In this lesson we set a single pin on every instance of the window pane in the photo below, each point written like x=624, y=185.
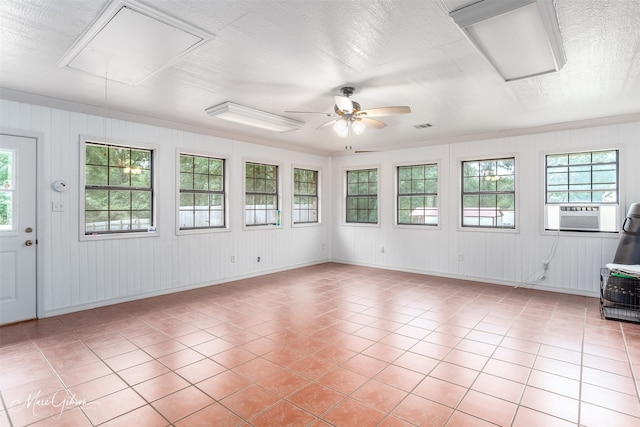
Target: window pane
x=305, y=207
x=119, y=157
x=471, y=185
x=96, y=155
x=200, y=182
x=187, y=201
x=262, y=194
x=96, y=200
x=204, y=175
x=186, y=181
x=120, y=200
x=488, y=184
x=588, y=171
x=485, y=197
x=417, y=209
x=97, y=175
x=579, y=158
x=118, y=178
x=605, y=156
x=365, y=207
x=201, y=165
x=404, y=173
x=141, y=179
x=96, y=221
x=506, y=183
x=186, y=163
x=110, y=204
x=557, y=159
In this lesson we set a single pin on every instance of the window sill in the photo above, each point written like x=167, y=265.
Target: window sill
x=116, y=236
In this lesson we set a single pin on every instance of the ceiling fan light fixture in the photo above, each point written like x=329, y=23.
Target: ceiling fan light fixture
x=341, y=127
x=357, y=126
x=251, y=117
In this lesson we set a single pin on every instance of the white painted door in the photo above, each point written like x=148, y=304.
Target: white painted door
x=17, y=228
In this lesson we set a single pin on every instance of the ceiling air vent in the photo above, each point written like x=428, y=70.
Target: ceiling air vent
x=423, y=126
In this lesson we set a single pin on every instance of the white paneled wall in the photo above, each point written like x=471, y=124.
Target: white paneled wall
x=74, y=274
x=489, y=255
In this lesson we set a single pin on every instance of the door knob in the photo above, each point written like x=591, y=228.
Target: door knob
x=29, y=242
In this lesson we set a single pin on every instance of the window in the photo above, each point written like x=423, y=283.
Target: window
x=7, y=187
x=261, y=194
x=417, y=195
x=589, y=177
x=305, y=196
x=581, y=191
x=118, y=196
x=202, y=196
x=488, y=193
x=362, y=196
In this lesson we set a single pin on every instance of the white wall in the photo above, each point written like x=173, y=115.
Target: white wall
x=74, y=274
x=490, y=255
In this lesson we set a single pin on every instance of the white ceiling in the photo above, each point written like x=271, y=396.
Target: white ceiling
x=297, y=54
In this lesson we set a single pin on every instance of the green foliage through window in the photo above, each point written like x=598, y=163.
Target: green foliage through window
x=261, y=197
x=118, y=189
x=585, y=177
x=488, y=193
x=417, y=202
x=305, y=196
x=202, y=193
x=362, y=196
x=6, y=189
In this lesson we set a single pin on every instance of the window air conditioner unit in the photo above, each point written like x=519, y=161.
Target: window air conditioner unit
x=580, y=218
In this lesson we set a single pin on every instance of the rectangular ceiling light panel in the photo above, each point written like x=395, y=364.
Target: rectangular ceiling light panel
x=251, y=117
x=129, y=42
x=520, y=38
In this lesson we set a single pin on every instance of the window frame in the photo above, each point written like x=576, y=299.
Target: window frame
x=516, y=210
x=278, y=195
x=318, y=172
x=417, y=226
x=346, y=196
x=153, y=230
x=615, y=206
x=225, y=192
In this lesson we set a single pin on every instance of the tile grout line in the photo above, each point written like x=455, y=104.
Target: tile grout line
x=633, y=373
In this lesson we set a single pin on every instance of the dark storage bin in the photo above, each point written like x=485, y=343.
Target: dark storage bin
x=628, y=251
x=619, y=297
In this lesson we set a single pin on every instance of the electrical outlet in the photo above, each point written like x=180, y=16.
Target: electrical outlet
x=57, y=207
x=233, y=258
x=258, y=259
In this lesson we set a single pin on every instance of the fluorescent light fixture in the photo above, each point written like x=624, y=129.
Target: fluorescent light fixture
x=252, y=117
x=130, y=41
x=520, y=38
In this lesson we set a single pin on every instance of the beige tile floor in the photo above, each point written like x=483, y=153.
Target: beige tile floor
x=327, y=345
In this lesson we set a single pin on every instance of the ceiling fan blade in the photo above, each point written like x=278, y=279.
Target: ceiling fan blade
x=371, y=123
x=344, y=104
x=311, y=112
x=385, y=111
x=329, y=123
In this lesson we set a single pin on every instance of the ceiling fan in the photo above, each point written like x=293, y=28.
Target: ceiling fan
x=351, y=116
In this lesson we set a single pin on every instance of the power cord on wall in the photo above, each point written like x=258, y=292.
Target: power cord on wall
x=541, y=273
